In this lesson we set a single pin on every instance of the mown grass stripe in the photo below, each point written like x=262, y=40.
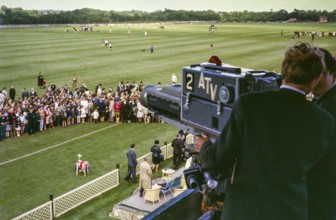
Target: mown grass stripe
x=56, y=145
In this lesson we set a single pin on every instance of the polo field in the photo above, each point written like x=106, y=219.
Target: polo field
x=34, y=166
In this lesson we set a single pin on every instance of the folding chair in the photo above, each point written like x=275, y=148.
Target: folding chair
x=170, y=186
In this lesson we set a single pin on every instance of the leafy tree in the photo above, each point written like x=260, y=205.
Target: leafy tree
x=87, y=15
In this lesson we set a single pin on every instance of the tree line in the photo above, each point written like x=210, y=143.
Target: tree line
x=12, y=16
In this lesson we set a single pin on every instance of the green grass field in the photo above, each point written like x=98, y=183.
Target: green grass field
x=27, y=182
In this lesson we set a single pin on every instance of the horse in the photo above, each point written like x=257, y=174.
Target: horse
x=82, y=166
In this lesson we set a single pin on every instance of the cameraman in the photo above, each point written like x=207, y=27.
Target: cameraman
x=325, y=97
x=272, y=141
x=325, y=91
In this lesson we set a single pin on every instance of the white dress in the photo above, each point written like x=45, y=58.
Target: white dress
x=140, y=112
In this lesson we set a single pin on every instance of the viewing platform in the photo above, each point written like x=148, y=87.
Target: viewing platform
x=134, y=207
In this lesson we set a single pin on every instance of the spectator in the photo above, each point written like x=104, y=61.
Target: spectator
x=178, y=145
x=63, y=106
x=17, y=128
x=40, y=80
x=64, y=115
x=83, y=88
x=12, y=93
x=3, y=122
x=140, y=113
x=146, y=117
x=24, y=94
x=31, y=117
x=90, y=110
x=120, y=88
x=95, y=116
x=141, y=85
x=49, y=117
x=156, y=152
x=133, y=110
x=2, y=100
x=125, y=110
x=43, y=116
x=174, y=79
x=69, y=115
x=117, y=109
x=111, y=109
x=52, y=88
x=23, y=122
x=4, y=91
x=102, y=109
x=74, y=80
x=33, y=93
x=145, y=180
x=59, y=114
x=132, y=163
x=11, y=122
x=82, y=113
x=97, y=87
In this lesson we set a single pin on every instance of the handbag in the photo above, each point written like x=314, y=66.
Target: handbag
x=161, y=157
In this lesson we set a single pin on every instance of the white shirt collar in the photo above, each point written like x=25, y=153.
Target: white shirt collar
x=293, y=88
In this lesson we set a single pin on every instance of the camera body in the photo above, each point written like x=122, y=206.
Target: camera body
x=193, y=177
x=202, y=104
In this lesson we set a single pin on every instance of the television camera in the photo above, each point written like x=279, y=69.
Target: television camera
x=202, y=104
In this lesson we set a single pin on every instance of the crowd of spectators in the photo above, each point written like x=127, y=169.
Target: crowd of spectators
x=61, y=107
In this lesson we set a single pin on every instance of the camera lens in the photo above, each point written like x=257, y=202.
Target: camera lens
x=211, y=183
x=192, y=181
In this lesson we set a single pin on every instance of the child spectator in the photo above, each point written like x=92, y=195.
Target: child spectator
x=82, y=113
x=117, y=109
x=95, y=115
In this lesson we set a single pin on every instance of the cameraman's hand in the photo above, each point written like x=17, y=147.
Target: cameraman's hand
x=200, y=139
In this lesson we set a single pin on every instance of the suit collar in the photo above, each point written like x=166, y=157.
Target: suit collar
x=292, y=88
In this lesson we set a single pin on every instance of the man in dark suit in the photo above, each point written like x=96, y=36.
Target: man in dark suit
x=24, y=94
x=12, y=93
x=177, y=144
x=132, y=163
x=325, y=91
x=272, y=140
x=323, y=204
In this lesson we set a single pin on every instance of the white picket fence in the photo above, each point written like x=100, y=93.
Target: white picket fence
x=74, y=198
x=90, y=190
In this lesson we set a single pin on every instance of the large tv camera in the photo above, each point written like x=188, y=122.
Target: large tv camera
x=202, y=104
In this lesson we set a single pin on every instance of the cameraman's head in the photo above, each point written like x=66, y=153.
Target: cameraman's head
x=328, y=79
x=302, y=66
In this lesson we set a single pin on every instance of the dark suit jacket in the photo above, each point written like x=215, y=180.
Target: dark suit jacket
x=132, y=158
x=322, y=203
x=177, y=144
x=278, y=138
x=25, y=94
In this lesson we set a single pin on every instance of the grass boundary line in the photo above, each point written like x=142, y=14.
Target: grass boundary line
x=57, y=145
